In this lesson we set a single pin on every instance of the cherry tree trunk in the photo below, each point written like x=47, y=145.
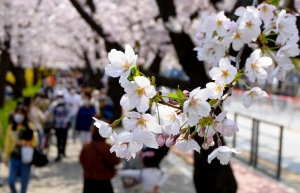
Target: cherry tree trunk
x=214, y=178
x=4, y=64
x=19, y=74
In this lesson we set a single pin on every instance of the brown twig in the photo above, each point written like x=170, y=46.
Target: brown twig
x=169, y=104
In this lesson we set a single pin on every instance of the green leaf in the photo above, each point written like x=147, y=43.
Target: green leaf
x=134, y=73
x=179, y=97
x=172, y=95
x=273, y=2
x=153, y=81
x=205, y=121
x=156, y=99
x=213, y=102
x=179, y=93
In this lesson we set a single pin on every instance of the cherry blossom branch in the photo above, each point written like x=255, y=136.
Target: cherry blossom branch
x=169, y=104
x=223, y=98
x=238, y=57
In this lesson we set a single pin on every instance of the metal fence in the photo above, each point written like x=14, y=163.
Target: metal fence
x=255, y=145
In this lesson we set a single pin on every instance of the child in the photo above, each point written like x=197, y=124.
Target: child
x=151, y=176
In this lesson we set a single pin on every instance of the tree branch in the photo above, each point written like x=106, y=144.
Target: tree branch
x=88, y=19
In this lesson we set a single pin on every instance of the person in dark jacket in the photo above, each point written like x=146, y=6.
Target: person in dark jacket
x=98, y=164
x=84, y=120
x=60, y=122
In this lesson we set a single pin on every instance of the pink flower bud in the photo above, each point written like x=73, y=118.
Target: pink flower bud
x=219, y=143
x=170, y=142
x=201, y=133
x=173, y=102
x=205, y=146
x=186, y=93
x=160, y=140
x=210, y=140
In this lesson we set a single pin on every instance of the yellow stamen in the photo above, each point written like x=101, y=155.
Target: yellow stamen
x=253, y=94
x=142, y=122
x=237, y=36
x=126, y=65
x=171, y=117
x=254, y=66
x=140, y=91
x=218, y=88
x=194, y=103
x=219, y=23
x=249, y=24
x=225, y=74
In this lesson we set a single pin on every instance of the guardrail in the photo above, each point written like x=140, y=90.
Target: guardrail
x=254, y=141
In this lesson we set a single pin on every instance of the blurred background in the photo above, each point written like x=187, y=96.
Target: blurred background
x=45, y=44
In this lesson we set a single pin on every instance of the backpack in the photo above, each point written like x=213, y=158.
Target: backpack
x=60, y=116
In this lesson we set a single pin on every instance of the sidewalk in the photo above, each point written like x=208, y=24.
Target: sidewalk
x=66, y=176
x=248, y=179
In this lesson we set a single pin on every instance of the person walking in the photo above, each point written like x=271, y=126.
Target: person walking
x=95, y=102
x=20, y=133
x=84, y=120
x=36, y=117
x=75, y=102
x=60, y=122
x=98, y=164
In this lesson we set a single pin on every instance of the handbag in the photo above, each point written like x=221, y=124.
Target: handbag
x=39, y=158
x=26, y=154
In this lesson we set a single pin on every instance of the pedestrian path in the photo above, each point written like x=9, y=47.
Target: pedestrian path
x=66, y=176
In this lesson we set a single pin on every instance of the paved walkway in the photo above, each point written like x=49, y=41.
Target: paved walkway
x=66, y=176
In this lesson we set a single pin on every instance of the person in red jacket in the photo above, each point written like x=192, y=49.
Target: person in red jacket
x=98, y=164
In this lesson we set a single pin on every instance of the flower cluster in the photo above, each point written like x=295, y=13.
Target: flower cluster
x=180, y=116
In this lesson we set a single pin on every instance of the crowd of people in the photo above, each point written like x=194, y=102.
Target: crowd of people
x=65, y=106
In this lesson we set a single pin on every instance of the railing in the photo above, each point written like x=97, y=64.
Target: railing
x=255, y=143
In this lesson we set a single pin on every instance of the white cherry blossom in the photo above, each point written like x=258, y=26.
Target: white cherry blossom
x=250, y=96
x=286, y=26
x=255, y=65
x=223, y=74
x=141, y=126
x=218, y=23
x=251, y=26
x=288, y=50
x=196, y=105
x=121, y=63
x=186, y=144
x=137, y=94
x=223, y=154
x=217, y=88
x=105, y=129
x=226, y=127
x=169, y=119
x=238, y=38
x=266, y=11
x=124, y=145
x=284, y=65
